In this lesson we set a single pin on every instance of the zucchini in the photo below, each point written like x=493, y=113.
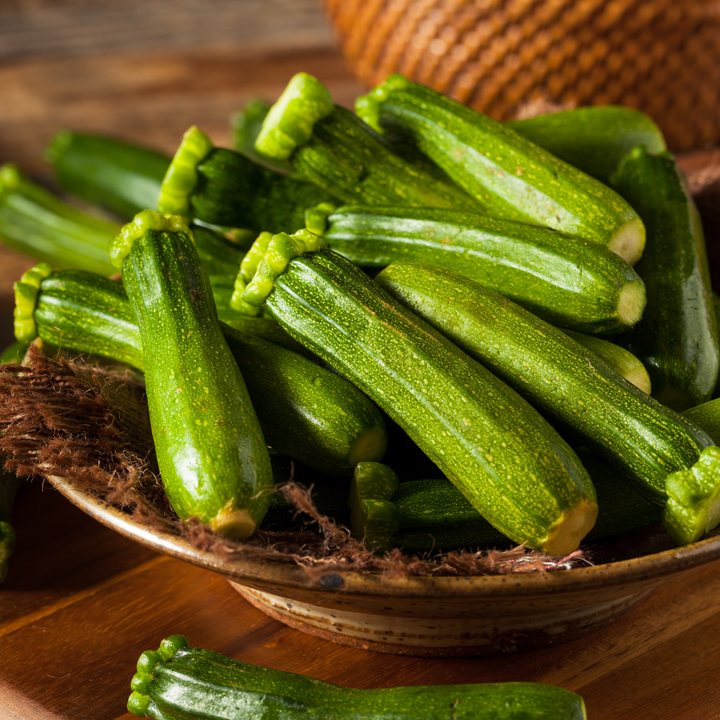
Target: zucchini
x=332, y=148
x=223, y=187
x=246, y=126
x=35, y=222
x=180, y=682
x=511, y=465
x=617, y=357
x=116, y=175
x=663, y=452
x=304, y=410
x=677, y=339
x=568, y=281
x=595, y=138
x=510, y=176
x=210, y=450
x=428, y=515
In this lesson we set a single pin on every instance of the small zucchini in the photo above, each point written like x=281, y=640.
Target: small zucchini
x=595, y=138
x=510, y=464
x=332, y=148
x=178, y=682
x=246, y=126
x=677, y=339
x=210, y=450
x=116, y=175
x=429, y=515
x=568, y=281
x=35, y=222
x=304, y=410
x=671, y=460
x=510, y=176
x=617, y=357
x=223, y=187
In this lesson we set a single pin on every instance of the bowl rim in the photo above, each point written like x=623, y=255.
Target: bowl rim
x=347, y=582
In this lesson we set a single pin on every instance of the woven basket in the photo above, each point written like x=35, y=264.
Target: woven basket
x=660, y=56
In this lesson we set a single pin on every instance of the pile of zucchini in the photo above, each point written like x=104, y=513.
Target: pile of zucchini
x=516, y=318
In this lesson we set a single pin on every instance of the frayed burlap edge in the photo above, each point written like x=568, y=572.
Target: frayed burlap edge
x=89, y=424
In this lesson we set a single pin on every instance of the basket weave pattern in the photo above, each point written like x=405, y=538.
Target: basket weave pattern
x=660, y=56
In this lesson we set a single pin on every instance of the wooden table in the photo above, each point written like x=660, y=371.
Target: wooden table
x=82, y=603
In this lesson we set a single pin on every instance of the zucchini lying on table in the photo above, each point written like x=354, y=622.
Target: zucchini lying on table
x=506, y=459
x=509, y=175
x=178, y=682
x=669, y=458
x=210, y=450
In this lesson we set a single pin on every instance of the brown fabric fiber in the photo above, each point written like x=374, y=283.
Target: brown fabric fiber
x=90, y=424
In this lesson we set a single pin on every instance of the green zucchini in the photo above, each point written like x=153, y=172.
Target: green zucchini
x=617, y=357
x=246, y=126
x=570, y=282
x=180, y=683
x=210, y=450
x=678, y=337
x=304, y=410
x=511, y=465
x=116, y=175
x=510, y=176
x=35, y=222
x=659, y=449
x=594, y=139
x=430, y=514
x=331, y=147
x=223, y=187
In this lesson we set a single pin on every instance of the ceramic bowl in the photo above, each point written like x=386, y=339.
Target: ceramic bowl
x=431, y=616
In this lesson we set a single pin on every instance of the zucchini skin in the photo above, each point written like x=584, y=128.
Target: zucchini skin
x=121, y=177
x=210, y=450
x=304, y=410
x=594, y=139
x=346, y=157
x=433, y=515
x=35, y=222
x=510, y=176
x=677, y=339
x=568, y=281
x=564, y=380
x=467, y=421
x=196, y=683
x=234, y=191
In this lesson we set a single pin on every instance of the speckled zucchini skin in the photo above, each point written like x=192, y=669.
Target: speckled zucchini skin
x=595, y=138
x=304, y=410
x=561, y=378
x=511, y=465
x=568, y=281
x=349, y=160
x=510, y=176
x=210, y=449
x=179, y=682
x=677, y=339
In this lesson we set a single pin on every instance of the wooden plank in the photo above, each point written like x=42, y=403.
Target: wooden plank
x=63, y=28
